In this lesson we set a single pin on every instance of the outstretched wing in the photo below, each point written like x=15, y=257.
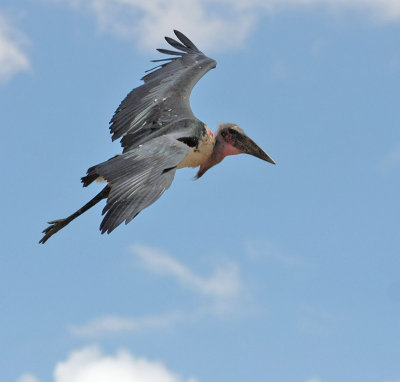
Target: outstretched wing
x=164, y=96
x=138, y=178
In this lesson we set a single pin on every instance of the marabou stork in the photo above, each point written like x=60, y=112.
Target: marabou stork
x=159, y=134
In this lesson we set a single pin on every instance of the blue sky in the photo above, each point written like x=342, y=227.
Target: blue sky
x=252, y=273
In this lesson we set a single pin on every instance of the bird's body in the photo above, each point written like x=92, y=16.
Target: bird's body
x=199, y=154
x=159, y=134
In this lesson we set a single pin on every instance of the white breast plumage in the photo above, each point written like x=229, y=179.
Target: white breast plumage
x=199, y=155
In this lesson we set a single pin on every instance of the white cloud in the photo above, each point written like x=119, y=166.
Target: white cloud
x=224, y=283
x=113, y=324
x=12, y=57
x=27, y=378
x=382, y=9
x=146, y=22
x=221, y=291
x=314, y=380
x=91, y=365
x=212, y=24
x=258, y=250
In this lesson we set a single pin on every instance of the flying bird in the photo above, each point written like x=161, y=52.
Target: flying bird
x=159, y=134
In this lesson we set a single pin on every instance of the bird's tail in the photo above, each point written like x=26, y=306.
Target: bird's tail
x=56, y=225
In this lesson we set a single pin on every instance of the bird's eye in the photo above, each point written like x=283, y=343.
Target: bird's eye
x=232, y=132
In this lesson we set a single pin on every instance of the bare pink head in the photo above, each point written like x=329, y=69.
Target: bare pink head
x=231, y=140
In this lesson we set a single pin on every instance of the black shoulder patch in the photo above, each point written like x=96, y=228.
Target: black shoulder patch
x=190, y=141
x=168, y=169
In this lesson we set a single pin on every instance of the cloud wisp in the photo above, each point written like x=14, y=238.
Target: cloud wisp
x=27, y=378
x=265, y=250
x=221, y=291
x=114, y=324
x=223, y=283
x=214, y=25
x=12, y=57
x=145, y=22
x=90, y=364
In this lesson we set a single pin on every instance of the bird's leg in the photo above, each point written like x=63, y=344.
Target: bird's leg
x=56, y=225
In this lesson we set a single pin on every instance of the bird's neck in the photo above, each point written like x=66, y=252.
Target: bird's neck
x=219, y=152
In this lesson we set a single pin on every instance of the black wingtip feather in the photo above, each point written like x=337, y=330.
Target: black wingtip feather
x=184, y=40
x=184, y=46
x=152, y=70
x=165, y=59
x=171, y=52
x=177, y=44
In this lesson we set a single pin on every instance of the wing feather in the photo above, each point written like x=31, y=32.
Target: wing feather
x=138, y=178
x=185, y=40
x=164, y=97
x=167, y=51
x=177, y=45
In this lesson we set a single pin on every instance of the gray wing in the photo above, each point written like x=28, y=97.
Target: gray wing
x=164, y=96
x=138, y=178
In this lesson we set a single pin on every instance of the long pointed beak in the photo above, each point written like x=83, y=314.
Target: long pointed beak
x=248, y=146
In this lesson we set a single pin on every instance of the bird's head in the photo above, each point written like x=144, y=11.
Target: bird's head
x=231, y=140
